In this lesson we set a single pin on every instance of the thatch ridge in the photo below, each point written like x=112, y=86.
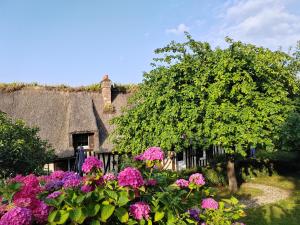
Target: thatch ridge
x=15, y=86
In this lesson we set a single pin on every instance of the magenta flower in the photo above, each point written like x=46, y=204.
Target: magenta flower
x=17, y=216
x=140, y=210
x=153, y=153
x=109, y=177
x=55, y=194
x=91, y=163
x=209, y=203
x=57, y=175
x=197, y=178
x=182, y=183
x=71, y=183
x=41, y=212
x=130, y=177
x=87, y=188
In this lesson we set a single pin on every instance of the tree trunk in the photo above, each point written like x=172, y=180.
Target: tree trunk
x=232, y=181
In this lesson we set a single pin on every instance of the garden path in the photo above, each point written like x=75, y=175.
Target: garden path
x=270, y=195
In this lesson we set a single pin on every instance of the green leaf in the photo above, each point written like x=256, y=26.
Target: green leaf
x=77, y=215
x=112, y=194
x=91, y=210
x=52, y=216
x=122, y=215
x=123, y=198
x=58, y=216
x=95, y=222
x=106, y=212
x=158, y=216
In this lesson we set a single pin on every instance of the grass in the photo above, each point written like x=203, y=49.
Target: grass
x=285, y=212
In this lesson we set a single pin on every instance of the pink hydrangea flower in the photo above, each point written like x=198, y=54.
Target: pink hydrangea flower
x=23, y=202
x=71, y=183
x=140, y=210
x=151, y=182
x=109, y=177
x=91, y=163
x=30, y=186
x=3, y=209
x=41, y=212
x=209, y=203
x=182, y=183
x=55, y=194
x=17, y=216
x=197, y=178
x=153, y=153
x=87, y=188
x=130, y=177
x=57, y=175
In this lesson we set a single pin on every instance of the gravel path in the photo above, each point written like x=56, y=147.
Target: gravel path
x=270, y=195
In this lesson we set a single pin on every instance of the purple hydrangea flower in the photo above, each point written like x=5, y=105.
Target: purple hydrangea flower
x=182, y=183
x=55, y=194
x=70, y=175
x=54, y=185
x=194, y=213
x=71, y=183
x=17, y=216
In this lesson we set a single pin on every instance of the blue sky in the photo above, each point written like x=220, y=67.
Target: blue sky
x=76, y=42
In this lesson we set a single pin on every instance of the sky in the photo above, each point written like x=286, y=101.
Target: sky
x=76, y=42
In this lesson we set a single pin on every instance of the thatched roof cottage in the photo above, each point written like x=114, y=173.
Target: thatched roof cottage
x=67, y=118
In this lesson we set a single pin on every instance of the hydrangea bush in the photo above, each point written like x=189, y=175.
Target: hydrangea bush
x=134, y=196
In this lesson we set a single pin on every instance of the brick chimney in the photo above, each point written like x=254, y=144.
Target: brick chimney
x=106, y=90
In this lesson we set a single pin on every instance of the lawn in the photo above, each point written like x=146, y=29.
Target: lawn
x=285, y=212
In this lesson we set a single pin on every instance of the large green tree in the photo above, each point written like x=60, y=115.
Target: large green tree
x=233, y=97
x=21, y=149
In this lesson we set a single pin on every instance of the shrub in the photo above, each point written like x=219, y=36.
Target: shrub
x=134, y=196
x=21, y=149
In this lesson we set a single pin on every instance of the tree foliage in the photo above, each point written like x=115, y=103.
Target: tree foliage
x=234, y=97
x=21, y=149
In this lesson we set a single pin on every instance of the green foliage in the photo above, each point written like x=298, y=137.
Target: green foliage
x=21, y=149
x=7, y=190
x=290, y=131
x=234, y=97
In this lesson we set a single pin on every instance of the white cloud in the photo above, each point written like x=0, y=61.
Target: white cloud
x=264, y=22
x=180, y=29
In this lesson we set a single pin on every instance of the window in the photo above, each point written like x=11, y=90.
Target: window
x=85, y=140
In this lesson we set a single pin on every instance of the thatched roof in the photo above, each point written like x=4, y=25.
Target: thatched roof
x=58, y=114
